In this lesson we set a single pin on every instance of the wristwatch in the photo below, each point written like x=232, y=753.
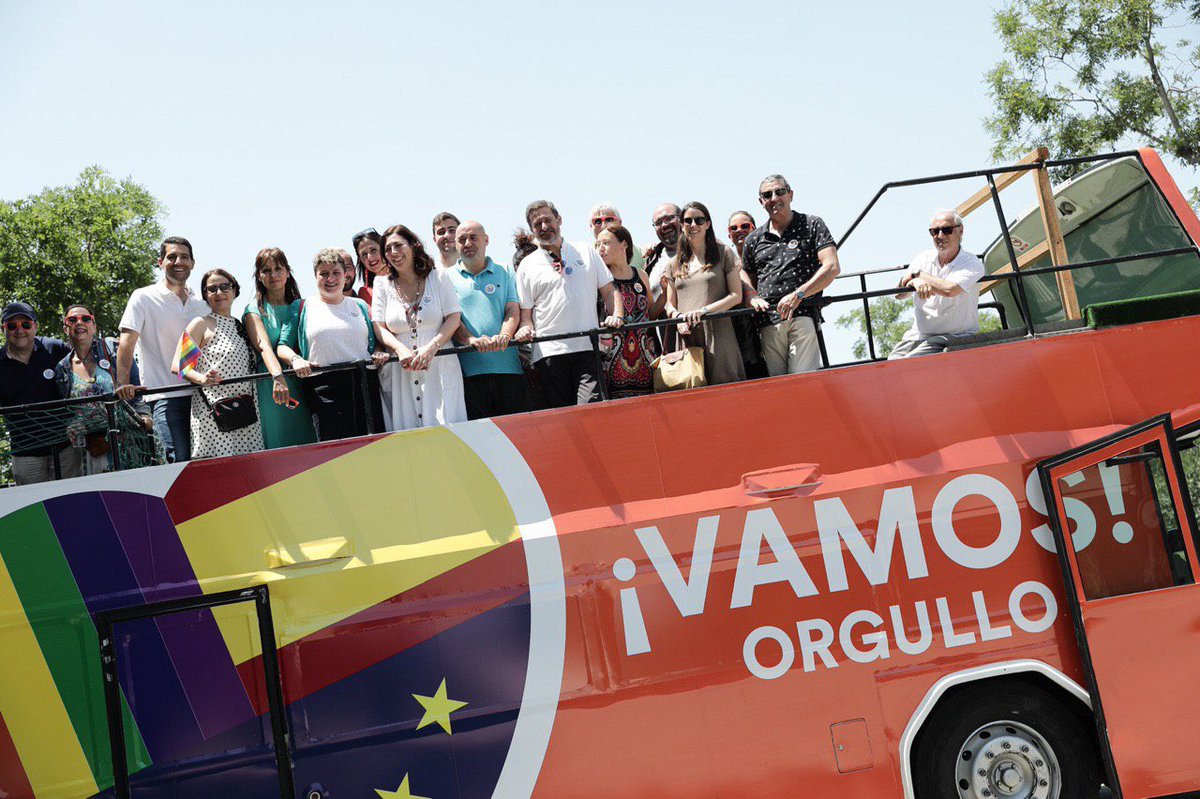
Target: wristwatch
x=800, y=295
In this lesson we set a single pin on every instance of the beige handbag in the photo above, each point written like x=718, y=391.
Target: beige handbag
x=680, y=369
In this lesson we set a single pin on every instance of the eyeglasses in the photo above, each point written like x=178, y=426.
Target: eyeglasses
x=666, y=220
x=771, y=193
x=603, y=220
x=694, y=221
x=744, y=226
x=219, y=287
x=82, y=318
x=11, y=326
x=945, y=230
x=362, y=234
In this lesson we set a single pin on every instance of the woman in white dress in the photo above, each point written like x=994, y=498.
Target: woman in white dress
x=224, y=353
x=415, y=311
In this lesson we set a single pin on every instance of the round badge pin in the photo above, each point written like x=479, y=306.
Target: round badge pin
x=48, y=374
x=104, y=364
x=490, y=288
x=639, y=288
x=568, y=270
x=793, y=244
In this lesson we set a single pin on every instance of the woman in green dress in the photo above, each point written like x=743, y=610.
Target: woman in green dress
x=286, y=419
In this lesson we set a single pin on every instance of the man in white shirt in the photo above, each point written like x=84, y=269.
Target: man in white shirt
x=945, y=283
x=557, y=288
x=154, y=320
x=445, y=228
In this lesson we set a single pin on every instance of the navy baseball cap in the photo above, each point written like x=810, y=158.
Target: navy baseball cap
x=17, y=309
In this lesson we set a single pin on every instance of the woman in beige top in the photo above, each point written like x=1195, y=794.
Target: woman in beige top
x=704, y=277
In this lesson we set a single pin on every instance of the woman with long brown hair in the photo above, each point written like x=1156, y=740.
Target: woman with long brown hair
x=705, y=277
x=415, y=311
x=286, y=419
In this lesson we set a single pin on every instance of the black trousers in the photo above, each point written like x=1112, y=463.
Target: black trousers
x=338, y=407
x=495, y=395
x=570, y=379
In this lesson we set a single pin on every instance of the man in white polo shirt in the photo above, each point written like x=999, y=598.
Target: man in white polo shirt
x=153, y=322
x=945, y=282
x=557, y=288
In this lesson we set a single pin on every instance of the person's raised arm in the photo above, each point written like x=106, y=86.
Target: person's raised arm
x=125, y=347
x=256, y=334
x=200, y=331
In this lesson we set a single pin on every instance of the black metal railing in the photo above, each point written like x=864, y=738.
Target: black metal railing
x=111, y=403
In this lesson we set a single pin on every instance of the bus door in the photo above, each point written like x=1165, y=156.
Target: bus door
x=260, y=766
x=1130, y=577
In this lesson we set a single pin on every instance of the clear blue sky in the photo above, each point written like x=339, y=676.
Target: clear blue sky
x=297, y=124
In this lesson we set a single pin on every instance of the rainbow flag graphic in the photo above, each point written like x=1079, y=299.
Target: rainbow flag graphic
x=189, y=354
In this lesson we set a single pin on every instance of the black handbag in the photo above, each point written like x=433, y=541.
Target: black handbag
x=231, y=413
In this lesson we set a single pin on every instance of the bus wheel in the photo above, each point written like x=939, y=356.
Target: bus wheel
x=1005, y=739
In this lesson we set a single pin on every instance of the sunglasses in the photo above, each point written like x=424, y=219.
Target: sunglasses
x=362, y=234
x=945, y=230
x=82, y=318
x=694, y=221
x=219, y=287
x=603, y=220
x=744, y=226
x=11, y=326
x=771, y=193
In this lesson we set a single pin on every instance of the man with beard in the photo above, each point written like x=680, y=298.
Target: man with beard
x=790, y=260
x=26, y=376
x=667, y=226
x=557, y=286
x=493, y=381
x=445, y=226
x=153, y=323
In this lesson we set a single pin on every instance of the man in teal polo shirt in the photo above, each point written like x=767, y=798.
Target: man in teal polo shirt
x=492, y=376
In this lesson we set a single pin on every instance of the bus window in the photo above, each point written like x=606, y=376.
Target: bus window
x=1137, y=544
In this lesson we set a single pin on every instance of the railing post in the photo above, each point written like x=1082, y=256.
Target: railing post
x=1022, y=300
x=598, y=363
x=862, y=281
x=114, y=434
x=364, y=395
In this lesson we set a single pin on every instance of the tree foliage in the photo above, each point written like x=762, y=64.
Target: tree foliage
x=92, y=242
x=1085, y=76
x=891, y=317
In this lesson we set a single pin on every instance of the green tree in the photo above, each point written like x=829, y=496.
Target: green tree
x=890, y=318
x=1085, y=76
x=92, y=242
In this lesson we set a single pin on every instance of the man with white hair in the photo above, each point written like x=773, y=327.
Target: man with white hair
x=604, y=214
x=945, y=283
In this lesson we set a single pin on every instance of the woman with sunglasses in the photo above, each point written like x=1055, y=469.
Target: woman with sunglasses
x=705, y=277
x=334, y=329
x=285, y=416
x=224, y=352
x=416, y=311
x=90, y=369
x=368, y=248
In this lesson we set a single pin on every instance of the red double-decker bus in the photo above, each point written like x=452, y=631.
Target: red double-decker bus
x=850, y=583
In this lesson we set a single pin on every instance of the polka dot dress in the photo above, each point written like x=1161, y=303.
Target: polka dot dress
x=228, y=353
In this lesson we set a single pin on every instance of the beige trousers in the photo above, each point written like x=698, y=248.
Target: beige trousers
x=791, y=347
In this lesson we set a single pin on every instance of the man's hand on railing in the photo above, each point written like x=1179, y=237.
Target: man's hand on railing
x=524, y=335
x=126, y=392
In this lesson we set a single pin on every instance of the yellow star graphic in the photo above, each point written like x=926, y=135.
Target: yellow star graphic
x=402, y=792
x=438, y=708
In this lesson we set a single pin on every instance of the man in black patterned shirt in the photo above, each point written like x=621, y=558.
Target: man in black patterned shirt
x=790, y=260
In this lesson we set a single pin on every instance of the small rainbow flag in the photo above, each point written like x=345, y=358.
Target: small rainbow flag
x=189, y=354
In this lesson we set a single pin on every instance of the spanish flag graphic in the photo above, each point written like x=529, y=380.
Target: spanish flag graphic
x=399, y=578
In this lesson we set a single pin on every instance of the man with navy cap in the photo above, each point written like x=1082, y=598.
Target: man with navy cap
x=27, y=375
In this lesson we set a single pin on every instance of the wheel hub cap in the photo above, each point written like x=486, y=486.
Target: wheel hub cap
x=1007, y=760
